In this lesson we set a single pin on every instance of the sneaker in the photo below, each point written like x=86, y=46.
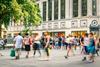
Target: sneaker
x=17, y=57
x=66, y=57
x=90, y=61
x=26, y=56
x=84, y=59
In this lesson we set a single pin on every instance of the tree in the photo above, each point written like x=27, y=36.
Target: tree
x=26, y=11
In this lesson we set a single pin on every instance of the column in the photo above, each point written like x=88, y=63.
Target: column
x=98, y=8
x=71, y=8
x=67, y=9
x=41, y=8
x=52, y=10
x=98, y=13
x=79, y=8
x=89, y=7
x=59, y=9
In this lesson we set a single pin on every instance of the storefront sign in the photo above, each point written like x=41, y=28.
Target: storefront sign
x=94, y=23
x=94, y=26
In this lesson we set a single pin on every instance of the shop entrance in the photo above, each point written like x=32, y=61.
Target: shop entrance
x=58, y=34
x=78, y=33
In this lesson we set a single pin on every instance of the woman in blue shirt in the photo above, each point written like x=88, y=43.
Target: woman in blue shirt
x=91, y=48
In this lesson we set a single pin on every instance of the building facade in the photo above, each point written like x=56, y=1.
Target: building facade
x=64, y=17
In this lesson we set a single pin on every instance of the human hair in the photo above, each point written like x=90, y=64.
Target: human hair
x=91, y=33
x=86, y=34
x=19, y=33
x=26, y=34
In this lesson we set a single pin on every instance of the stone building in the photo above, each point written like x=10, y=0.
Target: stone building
x=64, y=17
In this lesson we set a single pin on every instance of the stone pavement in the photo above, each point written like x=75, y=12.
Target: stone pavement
x=57, y=60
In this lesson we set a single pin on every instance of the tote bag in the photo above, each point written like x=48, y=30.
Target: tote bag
x=12, y=53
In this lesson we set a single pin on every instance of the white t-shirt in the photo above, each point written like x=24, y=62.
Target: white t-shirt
x=68, y=40
x=18, y=41
x=86, y=41
x=1, y=42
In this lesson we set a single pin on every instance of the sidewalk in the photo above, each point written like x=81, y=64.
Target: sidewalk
x=57, y=60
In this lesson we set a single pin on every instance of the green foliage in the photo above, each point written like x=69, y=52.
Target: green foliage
x=26, y=11
x=5, y=12
x=26, y=30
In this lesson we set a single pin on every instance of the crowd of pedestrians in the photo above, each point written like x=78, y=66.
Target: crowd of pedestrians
x=89, y=44
x=34, y=42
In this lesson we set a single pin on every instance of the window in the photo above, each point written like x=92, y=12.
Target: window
x=44, y=11
x=55, y=9
x=62, y=9
x=49, y=9
x=75, y=8
x=84, y=7
x=94, y=7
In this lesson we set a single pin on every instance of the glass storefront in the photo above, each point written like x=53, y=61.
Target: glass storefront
x=78, y=33
x=59, y=34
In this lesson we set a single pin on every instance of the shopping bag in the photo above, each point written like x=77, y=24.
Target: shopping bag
x=49, y=50
x=12, y=53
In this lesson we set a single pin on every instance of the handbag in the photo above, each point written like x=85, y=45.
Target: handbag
x=12, y=52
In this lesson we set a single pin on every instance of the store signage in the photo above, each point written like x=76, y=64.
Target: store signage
x=94, y=23
x=94, y=26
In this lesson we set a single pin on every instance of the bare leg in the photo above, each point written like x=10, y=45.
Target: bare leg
x=34, y=52
x=27, y=55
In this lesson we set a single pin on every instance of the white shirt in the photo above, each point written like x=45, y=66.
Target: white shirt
x=71, y=40
x=68, y=40
x=86, y=41
x=1, y=42
x=18, y=41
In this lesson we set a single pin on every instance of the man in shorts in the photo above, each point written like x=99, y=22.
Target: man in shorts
x=18, y=40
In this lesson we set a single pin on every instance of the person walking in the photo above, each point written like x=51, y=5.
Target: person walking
x=47, y=45
x=85, y=44
x=60, y=42
x=5, y=42
x=91, y=47
x=36, y=44
x=2, y=43
x=97, y=44
x=18, y=41
x=69, y=43
x=27, y=44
